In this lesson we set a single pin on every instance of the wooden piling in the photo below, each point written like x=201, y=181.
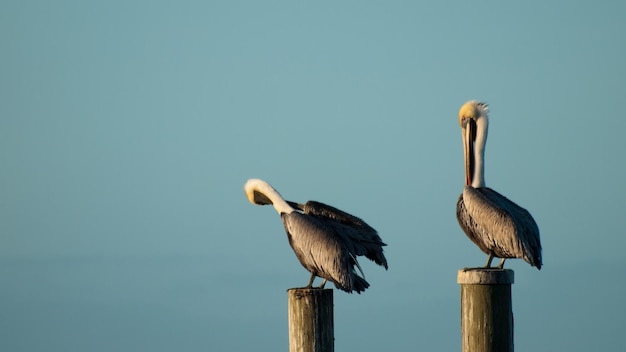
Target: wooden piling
x=486, y=310
x=311, y=327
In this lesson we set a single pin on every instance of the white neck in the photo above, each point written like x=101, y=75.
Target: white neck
x=256, y=185
x=478, y=179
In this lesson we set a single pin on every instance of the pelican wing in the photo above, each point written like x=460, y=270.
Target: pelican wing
x=527, y=229
x=320, y=249
x=358, y=236
x=499, y=225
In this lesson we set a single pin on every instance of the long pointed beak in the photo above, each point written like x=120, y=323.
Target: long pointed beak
x=258, y=198
x=295, y=205
x=468, y=152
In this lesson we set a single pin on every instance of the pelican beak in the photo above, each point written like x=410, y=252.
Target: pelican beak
x=258, y=198
x=468, y=149
x=296, y=205
x=261, y=199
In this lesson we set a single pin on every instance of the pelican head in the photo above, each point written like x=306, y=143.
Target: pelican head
x=254, y=194
x=474, y=121
x=473, y=110
x=260, y=192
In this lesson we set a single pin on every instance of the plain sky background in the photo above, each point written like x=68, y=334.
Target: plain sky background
x=128, y=129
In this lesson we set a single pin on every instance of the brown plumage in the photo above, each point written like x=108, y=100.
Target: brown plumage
x=325, y=239
x=498, y=226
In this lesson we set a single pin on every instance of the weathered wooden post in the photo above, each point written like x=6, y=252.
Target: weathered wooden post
x=486, y=310
x=311, y=326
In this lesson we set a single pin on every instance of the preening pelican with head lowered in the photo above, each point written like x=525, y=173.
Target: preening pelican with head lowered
x=499, y=227
x=326, y=240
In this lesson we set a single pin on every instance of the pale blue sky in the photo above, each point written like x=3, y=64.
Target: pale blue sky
x=128, y=128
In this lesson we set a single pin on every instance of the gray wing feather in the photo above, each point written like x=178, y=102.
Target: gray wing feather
x=499, y=225
x=359, y=237
x=318, y=250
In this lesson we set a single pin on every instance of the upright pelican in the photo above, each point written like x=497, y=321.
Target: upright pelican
x=499, y=227
x=326, y=240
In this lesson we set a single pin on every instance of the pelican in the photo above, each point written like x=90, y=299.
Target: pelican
x=326, y=240
x=499, y=227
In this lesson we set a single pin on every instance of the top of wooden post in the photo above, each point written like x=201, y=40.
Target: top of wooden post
x=304, y=291
x=485, y=276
